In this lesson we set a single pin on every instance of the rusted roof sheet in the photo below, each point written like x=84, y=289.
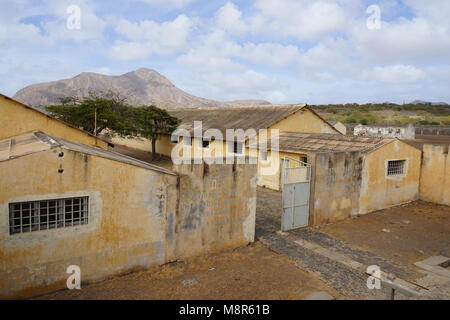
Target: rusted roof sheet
x=295, y=142
x=222, y=118
x=37, y=141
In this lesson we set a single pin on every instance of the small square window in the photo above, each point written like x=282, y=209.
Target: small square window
x=263, y=155
x=204, y=144
x=396, y=167
x=187, y=141
x=236, y=147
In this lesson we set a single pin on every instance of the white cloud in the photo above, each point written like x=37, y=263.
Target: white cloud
x=127, y=51
x=272, y=54
x=149, y=37
x=302, y=19
x=395, y=74
x=229, y=18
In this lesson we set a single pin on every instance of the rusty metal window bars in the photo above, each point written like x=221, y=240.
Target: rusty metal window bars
x=47, y=214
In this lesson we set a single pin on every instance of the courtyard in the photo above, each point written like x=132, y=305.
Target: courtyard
x=328, y=259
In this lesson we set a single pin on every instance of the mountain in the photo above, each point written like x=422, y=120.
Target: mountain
x=143, y=86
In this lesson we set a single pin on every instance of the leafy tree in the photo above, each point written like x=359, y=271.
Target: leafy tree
x=150, y=122
x=93, y=113
x=98, y=112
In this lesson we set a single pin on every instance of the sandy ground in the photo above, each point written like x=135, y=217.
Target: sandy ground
x=251, y=272
x=415, y=231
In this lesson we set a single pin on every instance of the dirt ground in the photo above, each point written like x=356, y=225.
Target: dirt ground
x=251, y=272
x=412, y=232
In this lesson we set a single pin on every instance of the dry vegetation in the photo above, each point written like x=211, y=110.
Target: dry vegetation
x=386, y=113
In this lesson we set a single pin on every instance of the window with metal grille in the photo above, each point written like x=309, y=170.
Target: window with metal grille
x=263, y=155
x=236, y=147
x=204, y=144
x=187, y=141
x=396, y=167
x=174, y=139
x=47, y=214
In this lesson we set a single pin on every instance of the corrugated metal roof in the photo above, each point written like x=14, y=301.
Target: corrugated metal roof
x=222, y=118
x=295, y=142
x=37, y=141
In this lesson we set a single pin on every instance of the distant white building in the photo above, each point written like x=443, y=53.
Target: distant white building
x=385, y=131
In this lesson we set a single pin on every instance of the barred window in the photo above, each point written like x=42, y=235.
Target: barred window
x=396, y=167
x=47, y=214
x=187, y=141
x=235, y=147
x=263, y=155
x=174, y=139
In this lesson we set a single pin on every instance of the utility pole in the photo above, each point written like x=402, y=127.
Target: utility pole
x=95, y=122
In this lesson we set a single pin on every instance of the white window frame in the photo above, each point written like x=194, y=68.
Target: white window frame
x=40, y=215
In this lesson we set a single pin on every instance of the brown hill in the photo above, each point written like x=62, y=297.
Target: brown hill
x=143, y=86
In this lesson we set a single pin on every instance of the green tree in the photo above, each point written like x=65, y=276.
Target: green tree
x=94, y=113
x=150, y=122
x=98, y=112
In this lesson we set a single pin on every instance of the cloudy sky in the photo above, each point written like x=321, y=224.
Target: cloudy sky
x=284, y=51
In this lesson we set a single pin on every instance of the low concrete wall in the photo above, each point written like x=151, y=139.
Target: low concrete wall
x=435, y=174
x=335, y=185
x=216, y=209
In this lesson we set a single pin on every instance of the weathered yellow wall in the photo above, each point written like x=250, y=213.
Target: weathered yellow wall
x=435, y=174
x=335, y=186
x=217, y=208
x=16, y=119
x=306, y=121
x=127, y=212
x=379, y=191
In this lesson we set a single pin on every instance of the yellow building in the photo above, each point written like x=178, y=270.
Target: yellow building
x=66, y=204
x=17, y=118
x=251, y=119
x=350, y=175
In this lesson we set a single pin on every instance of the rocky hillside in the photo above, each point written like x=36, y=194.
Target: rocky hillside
x=143, y=86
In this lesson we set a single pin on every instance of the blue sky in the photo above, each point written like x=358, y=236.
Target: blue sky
x=284, y=51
